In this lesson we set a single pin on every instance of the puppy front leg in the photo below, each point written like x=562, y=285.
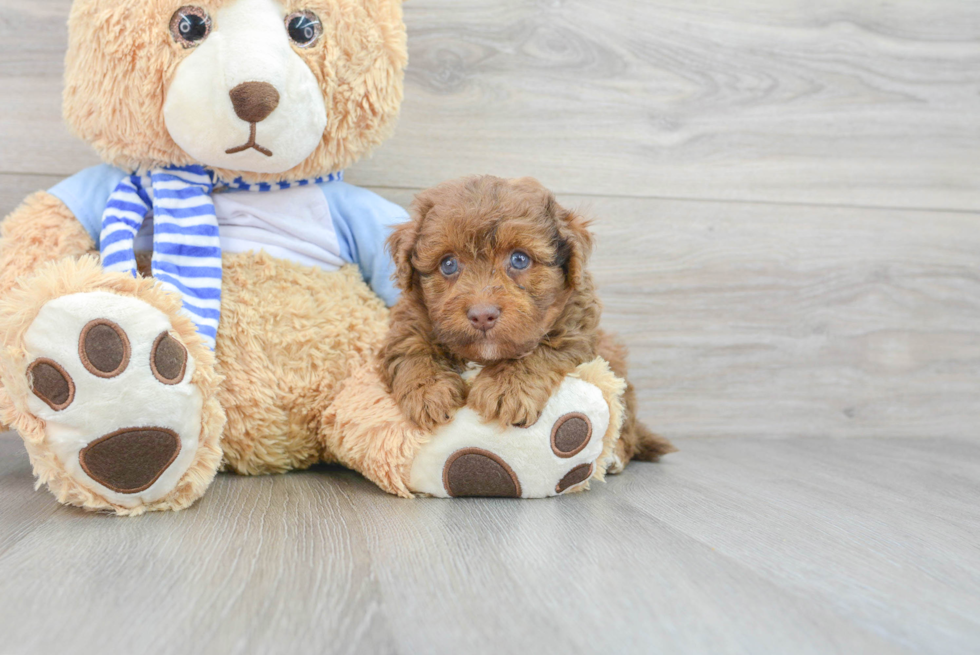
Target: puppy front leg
x=515, y=392
x=428, y=392
x=422, y=381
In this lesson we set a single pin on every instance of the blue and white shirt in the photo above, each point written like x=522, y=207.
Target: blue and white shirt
x=326, y=225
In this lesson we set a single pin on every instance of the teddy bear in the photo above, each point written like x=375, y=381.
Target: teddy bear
x=213, y=297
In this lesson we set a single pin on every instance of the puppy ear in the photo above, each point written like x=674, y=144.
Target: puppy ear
x=575, y=243
x=401, y=243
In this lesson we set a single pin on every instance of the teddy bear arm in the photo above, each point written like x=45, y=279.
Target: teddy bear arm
x=576, y=440
x=40, y=231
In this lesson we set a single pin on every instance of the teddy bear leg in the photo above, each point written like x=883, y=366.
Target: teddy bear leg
x=575, y=441
x=110, y=388
x=365, y=430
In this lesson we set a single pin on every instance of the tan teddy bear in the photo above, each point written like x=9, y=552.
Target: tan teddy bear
x=215, y=294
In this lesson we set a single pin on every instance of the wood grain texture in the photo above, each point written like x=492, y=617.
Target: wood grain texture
x=33, y=39
x=730, y=546
x=839, y=102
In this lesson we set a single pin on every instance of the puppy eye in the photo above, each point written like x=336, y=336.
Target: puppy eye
x=520, y=260
x=190, y=26
x=449, y=266
x=304, y=28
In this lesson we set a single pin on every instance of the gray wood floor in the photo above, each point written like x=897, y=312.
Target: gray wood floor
x=731, y=546
x=787, y=198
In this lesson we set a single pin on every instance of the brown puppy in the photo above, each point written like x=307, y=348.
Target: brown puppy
x=493, y=272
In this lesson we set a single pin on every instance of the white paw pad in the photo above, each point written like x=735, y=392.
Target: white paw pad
x=112, y=383
x=556, y=454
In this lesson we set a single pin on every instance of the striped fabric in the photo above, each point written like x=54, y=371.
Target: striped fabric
x=186, y=240
x=238, y=184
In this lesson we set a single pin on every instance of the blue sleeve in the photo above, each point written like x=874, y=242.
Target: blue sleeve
x=363, y=220
x=86, y=195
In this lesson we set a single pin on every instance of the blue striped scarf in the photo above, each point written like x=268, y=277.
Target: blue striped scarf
x=186, y=241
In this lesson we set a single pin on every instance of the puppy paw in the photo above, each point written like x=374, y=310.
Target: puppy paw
x=433, y=402
x=510, y=397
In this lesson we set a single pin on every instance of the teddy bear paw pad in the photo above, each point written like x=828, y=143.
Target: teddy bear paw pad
x=576, y=476
x=555, y=455
x=130, y=461
x=477, y=472
x=112, y=383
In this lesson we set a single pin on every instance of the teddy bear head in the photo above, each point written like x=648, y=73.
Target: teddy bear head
x=266, y=90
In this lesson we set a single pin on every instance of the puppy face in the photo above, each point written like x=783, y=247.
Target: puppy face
x=493, y=262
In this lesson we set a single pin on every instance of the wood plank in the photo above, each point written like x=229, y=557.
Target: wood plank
x=22, y=507
x=582, y=575
x=260, y=562
x=730, y=546
x=33, y=136
x=840, y=102
x=882, y=530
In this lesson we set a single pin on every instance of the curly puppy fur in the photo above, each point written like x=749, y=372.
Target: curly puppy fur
x=494, y=272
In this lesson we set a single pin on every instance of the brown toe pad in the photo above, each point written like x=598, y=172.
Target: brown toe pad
x=51, y=383
x=571, y=434
x=130, y=461
x=168, y=359
x=478, y=472
x=104, y=348
x=577, y=475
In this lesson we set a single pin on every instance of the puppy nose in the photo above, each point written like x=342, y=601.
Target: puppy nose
x=483, y=317
x=254, y=101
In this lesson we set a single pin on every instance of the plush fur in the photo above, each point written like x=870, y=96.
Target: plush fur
x=295, y=378
x=18, y=308
x=290, y=335
x=547, y=314
x=41, y=230
x=120, y=64
x=365, y=430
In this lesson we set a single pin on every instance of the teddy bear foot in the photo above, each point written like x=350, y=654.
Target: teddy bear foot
x=558, y=454
x=118, y=424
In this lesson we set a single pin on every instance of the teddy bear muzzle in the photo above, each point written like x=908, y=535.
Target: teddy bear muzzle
x=253, y=103
x=243, y=98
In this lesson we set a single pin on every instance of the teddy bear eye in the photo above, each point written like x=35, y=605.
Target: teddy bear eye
x=190, y=26
x=304, y=28
x=520, y=260
x=449, y=266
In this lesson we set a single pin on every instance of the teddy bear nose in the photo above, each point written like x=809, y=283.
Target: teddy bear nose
x=254, y=101
x=483, y=317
